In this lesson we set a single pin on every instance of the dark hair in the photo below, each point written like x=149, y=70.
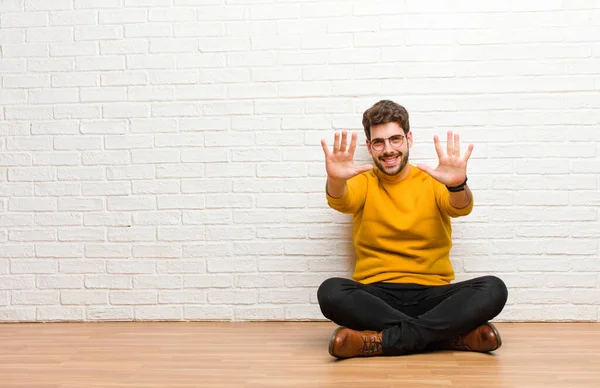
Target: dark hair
x=385, y=111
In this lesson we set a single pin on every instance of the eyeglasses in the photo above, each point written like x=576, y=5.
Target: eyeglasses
x=378, y=144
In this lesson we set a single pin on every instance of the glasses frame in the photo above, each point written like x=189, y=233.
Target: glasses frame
x=388, y=140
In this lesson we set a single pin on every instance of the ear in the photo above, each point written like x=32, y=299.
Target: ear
x=368, y=143
x=409, y=138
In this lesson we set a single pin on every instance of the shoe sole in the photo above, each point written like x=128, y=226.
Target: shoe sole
x=332, y=342
x=497, y=333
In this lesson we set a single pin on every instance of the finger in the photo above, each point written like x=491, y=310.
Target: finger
x=336, y=143
x=468, y=153
x=344, y=143
x=438, y=147
x=456, y=145
x=352, y=147
x=449, y=144
x=325, y=148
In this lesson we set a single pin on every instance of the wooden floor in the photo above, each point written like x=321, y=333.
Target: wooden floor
x=171, y=354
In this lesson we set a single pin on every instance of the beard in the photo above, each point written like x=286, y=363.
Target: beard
x=391, y=167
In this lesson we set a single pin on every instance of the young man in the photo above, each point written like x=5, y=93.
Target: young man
x=400, y=300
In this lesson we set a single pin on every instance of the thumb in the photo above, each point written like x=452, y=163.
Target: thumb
x=426, y=168
x=364, y=168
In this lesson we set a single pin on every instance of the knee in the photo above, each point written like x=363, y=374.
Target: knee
x=329, y=293
x=497, y=291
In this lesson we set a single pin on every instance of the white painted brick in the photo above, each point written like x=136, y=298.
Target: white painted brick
x=25, y=50
x=129, y=172
x=157, y=251
x=58, y=219
x=157, y=313
x=108, y=250
x=72, y=50
x=87, y=297
x=282, y=264
x=47, y=5
x=33, y=266
x=130, y=266
x=124, y=78
x=156, y=187
x=19, y=251
x=203, y=313
x=58, y=314
x=259, y=281
x=183, y=296
x=125, y=110
x=207, y=281
x=32, y=204
x=80, y=111
x=31, y=174
x=81, y=234
x=106, y=188
x=17, y=282
x=232, y=297
x=233, y=265
x=122, y=16
x=130, y=142
x=130, y=297
x=8, y=189
x=97, y=33
x=128, y=234
x=35, y=143
x=207, y=217
x=131, y=203
x=157, y=281
x=259, y=313
x=304, y=313
x=183, y=266
x=27, y=314
x=24, y=19
x=72, y=18
x=108, y=281
x=23, y=113
x=49, y=34
x=109, y=313
x=15, y=159
x=80, y=204
x=81, y=173
x=59, y=281
x=257, y=186
x=151, y=61
x=103, y=94
x=58, y=250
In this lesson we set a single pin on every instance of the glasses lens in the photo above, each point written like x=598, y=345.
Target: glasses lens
x=378, y=144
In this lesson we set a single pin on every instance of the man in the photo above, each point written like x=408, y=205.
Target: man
x=400, y=300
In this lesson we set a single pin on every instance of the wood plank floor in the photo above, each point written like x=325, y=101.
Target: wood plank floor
x=277, y=354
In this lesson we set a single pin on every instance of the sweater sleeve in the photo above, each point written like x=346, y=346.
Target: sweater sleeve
x=442, y=196
x=354, y=198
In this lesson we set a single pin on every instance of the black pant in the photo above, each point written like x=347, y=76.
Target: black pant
x=413, y=317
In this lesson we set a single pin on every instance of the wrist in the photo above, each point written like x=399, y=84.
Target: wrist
x=456, y=189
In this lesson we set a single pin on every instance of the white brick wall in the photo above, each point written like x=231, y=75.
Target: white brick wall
x=160, y=159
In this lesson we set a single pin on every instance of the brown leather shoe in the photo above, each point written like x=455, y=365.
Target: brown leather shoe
x=346, y=343
x=484, y=338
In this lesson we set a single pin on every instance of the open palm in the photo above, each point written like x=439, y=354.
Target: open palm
x=340, y=163
x=452, y=168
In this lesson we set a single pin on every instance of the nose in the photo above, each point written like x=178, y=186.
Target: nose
x=387, y=146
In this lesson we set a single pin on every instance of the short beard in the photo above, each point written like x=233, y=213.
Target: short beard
x=394, y=170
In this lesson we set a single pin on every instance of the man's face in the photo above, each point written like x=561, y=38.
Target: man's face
x=392, y=158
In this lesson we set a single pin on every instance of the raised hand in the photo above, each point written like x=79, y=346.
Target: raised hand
x=452, y=168
x=340, y=163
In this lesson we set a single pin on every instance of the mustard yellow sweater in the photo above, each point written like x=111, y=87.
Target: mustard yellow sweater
x=402, y=229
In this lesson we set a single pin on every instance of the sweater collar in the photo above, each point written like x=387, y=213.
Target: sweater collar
x=394, y=178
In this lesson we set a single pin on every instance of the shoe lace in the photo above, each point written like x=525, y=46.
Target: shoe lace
x=458, y=342
x=371, y=344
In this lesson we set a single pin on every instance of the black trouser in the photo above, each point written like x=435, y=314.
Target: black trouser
x=412, y=317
